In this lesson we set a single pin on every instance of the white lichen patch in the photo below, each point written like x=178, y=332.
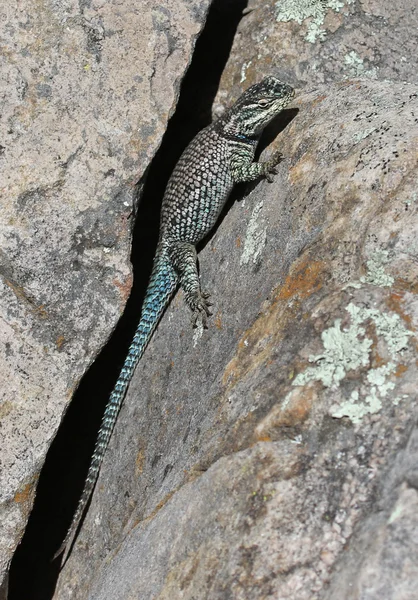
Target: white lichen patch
x=315, y=10
x=197, y=333
x=376, y=274
x=378, y=377
x=244, y=70
x=356, y=68
x=343, y=351
x=375, y=271
x=391, y=328
x=348, y=349
x=355, y=410
x=255, y=238
x=362, y=135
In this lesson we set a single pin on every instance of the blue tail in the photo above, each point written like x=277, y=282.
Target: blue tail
x=163, y=283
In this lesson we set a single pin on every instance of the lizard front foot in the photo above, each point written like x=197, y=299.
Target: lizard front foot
x=200, y=307
x=271, y=166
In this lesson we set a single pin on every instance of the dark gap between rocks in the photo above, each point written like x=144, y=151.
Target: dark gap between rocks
x=32, y=575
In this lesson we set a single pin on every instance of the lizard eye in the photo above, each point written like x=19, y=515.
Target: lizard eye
x=263, y=102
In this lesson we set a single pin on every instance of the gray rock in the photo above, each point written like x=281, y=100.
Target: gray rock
x=260, y=458
x=87, y=90
x=309, y=42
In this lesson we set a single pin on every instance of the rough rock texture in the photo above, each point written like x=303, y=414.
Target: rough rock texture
x=309, y=42
x=87, y=89
x=275, y=455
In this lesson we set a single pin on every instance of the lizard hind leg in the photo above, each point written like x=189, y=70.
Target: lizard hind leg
x=184, y=259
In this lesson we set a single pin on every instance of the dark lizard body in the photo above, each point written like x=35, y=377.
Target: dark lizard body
x=220, y=156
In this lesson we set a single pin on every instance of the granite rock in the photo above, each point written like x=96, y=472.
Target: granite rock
x=310, y=42
x=87, y=90
x=274, y=456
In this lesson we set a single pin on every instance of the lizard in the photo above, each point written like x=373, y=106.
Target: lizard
x=218, y=157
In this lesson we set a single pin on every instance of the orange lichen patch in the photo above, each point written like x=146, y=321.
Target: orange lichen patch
x=136, y=144
x=403, y=285
x=186, y=574
x=264, y=438
x=124, y=287
x=245, y=422
x=394, y=302
x=60, y=341
x=303, y=281
x=319, y=100
x=254, y=348
x=238, y=242
x=348, y=83
x=41, y=311
x=25, y=494
x=376, y=360
x=301, y=168
x=218, y=320
x=21, y=295
x=400, y=370
x=293, y=411
x=71, y=391
x=5, y=408
x=139, y=462
x=160, y=505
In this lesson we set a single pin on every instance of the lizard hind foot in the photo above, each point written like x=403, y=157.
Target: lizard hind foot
x=200, y=307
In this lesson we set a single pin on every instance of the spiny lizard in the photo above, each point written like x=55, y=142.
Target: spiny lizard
x=220, y=156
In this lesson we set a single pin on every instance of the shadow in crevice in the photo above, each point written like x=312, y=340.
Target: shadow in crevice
x=33, y=576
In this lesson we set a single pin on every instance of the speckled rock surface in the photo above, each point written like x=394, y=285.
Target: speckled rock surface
x=87, y=89
x=309, y=42
x=274, y=456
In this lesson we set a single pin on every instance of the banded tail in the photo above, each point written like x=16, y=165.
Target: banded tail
x=163, y=283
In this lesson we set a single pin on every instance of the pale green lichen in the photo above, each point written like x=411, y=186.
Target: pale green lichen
x=244, y=70
x=299, y=10
x=349, y=349
x=376, y=273
x=396, y=400
x=255, y=239
x=343, y=351
x=315, y=10
x=362, y=135
x=378, y=377
x=396, y=513
x=355, y=410
x=197, y=333
x=355, y=66
x=391, y=328
x=315, y=32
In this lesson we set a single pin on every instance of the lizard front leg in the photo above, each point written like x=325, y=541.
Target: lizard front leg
x=184, y=259
x=243, y=170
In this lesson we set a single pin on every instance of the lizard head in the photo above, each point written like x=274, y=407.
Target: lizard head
x=258, y=105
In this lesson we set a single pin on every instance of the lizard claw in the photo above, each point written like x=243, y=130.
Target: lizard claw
x=201, y=310
x=271, y=166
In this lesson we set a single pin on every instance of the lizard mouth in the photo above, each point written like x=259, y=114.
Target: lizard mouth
x=290, y=94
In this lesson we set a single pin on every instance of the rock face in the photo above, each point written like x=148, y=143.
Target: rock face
x=275, y=455
x=87, y=92
x=309, y=42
